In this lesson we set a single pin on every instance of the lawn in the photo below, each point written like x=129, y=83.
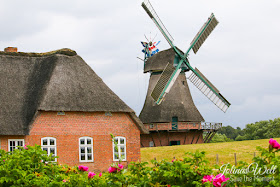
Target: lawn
x=244, y=151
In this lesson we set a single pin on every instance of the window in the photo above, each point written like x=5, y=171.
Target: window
x=174, y=142
x=60, y=113
x=48, y=144
x=119, y=149
x=108, y=114
x=14, y=143
x=151, y=144
x=151, y=126
x=85, y=149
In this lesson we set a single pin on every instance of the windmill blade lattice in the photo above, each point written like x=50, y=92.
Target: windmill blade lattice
x=209, y=90
x=166, y=78
x=153, y=15
x=203, y=33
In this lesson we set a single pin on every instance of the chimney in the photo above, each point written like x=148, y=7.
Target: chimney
x=10, y=49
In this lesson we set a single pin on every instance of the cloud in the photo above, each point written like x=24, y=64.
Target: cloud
x=240, y=57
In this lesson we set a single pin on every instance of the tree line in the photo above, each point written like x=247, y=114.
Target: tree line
x=253, y=131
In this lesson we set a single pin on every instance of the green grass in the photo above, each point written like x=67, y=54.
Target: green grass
x=244, y=151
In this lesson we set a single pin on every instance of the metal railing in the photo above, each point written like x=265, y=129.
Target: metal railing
x=210, y=125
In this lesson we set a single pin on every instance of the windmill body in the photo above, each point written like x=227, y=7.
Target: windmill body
x=176, y=121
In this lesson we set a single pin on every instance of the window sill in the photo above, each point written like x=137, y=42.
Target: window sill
x=85, y=161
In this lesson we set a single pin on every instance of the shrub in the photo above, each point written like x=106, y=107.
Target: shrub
x=30, y=166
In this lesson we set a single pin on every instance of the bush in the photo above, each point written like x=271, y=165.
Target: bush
x=220, y=138
x=30, y=166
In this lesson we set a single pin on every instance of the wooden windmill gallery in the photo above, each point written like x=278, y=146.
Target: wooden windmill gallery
x=169, y=112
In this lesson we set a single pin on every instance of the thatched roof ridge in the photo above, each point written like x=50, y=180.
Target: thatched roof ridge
x=50, y=82
x=64, y=51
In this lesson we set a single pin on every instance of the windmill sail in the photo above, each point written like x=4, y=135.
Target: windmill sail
x=153, y=15
x=165, y=82
x=209, y=90
x=203, y=33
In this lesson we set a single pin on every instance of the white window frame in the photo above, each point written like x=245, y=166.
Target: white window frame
x=86, y=151
x=119, y=150
x=16, y=144
x=48, y=146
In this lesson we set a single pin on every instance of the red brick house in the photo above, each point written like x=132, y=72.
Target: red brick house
x=57, y=101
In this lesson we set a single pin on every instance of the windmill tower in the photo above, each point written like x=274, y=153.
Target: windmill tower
x=169, y=112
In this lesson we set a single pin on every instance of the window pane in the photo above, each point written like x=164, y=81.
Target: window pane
x=20, y=143
x=83, y=150
x=123, y=155
x=11, y=143
x=11, y=149
x=116, y=140
x=88, y=141
x=122, y=141
x=116, y=156
x=45, y=142
x=122, y=149
x=52, y=142
x=83, y=157
x=116, y=149
x=52, y=150
x=45, y=149
x=89, y=156
x=89, y=150
x=82, y=141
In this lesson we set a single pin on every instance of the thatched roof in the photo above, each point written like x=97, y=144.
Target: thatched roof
x=54, y=81
x=178, y=102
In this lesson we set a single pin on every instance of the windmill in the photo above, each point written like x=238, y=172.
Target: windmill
x=181, y=62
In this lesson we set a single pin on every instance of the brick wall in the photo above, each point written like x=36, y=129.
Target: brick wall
x=68, y=128
x=168, y=126
x=163, y=138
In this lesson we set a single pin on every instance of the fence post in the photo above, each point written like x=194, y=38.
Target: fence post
x=217, y=159
x=235, y=158
x=254, y=154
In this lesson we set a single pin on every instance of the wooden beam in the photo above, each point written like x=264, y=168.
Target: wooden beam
x=186, y=136
x=159, y=138
x=210, y=138
x=198, y=138
x=168, y=137
x=193, y=139
x=206, y=137
x=141, y=143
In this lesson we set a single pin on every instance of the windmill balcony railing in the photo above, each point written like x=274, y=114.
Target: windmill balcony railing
x=183, y=126
x=211, y=126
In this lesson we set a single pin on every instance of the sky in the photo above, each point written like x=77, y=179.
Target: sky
x=240, y=57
